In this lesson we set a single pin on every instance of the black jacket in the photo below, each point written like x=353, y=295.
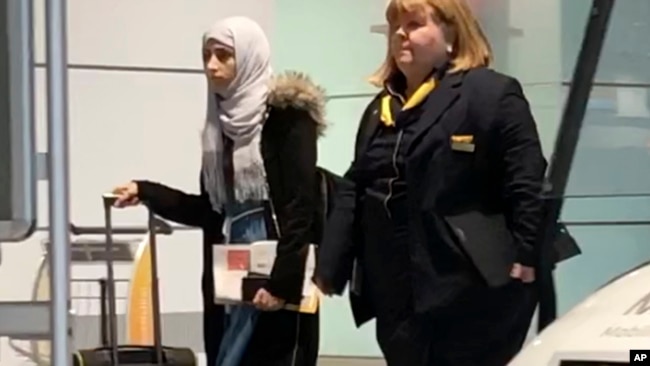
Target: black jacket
x=289, y=149
x=483, y=193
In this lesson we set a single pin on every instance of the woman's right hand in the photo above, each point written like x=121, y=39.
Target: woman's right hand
x=322, y=286
x=127, y=195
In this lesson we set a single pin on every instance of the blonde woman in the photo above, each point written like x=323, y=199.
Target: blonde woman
x=436, y=228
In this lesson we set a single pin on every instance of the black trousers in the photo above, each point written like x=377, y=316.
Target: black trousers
x=280, y=338
x=283, y=338
x=471, y=324
x=482, y=327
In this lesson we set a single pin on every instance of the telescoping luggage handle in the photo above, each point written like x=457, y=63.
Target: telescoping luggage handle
x=109, y=200
x=162, y=228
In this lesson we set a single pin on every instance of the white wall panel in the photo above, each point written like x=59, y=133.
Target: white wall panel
x=20, y=263
x=123, y=125
x=153, y=33
x=180, y=266
x=126, y=125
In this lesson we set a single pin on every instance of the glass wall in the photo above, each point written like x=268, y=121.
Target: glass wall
x=610, y=178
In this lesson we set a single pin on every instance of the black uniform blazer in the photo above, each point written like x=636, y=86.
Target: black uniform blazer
x=474, y=172
x=289, y=149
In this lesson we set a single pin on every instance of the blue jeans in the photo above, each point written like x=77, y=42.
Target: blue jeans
x=245, y=223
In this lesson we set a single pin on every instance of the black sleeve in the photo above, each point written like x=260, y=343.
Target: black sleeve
x=295, y=212
x=175, y=205
x=524, y=169
x=336, y=253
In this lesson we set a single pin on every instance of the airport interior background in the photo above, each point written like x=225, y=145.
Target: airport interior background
x=136, y=65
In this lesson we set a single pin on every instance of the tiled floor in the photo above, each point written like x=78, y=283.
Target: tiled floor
x=341, y=361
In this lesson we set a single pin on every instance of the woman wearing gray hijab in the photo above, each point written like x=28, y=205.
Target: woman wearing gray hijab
x=259, y=162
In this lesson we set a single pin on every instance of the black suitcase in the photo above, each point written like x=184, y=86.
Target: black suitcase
x=112, y=354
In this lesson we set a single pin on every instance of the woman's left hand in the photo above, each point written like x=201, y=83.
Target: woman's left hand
x=523, y=273
x=265, y=301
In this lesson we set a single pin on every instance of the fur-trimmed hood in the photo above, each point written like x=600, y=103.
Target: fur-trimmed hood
x=293, y=89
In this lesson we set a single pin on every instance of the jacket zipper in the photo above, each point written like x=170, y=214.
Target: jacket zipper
x=396, y=169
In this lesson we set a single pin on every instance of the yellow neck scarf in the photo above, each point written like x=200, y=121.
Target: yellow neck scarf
x=416, y=99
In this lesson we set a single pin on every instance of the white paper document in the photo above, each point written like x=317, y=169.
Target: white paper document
x=231, y=263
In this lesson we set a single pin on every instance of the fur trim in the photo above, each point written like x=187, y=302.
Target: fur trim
x=293, y=89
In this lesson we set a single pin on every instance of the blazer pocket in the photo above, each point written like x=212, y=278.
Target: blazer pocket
x=462, y=143
x=488, y=242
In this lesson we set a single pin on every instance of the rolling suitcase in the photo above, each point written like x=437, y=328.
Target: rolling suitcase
x=112, y=354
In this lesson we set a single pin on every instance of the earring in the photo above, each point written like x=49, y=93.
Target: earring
x=449, y=48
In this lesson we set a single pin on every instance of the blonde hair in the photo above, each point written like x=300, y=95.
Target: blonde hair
x=470, y=47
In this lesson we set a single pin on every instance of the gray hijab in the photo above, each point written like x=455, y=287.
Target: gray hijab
x=238, y=113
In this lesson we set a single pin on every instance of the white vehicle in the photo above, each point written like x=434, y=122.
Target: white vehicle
x=601, y=330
